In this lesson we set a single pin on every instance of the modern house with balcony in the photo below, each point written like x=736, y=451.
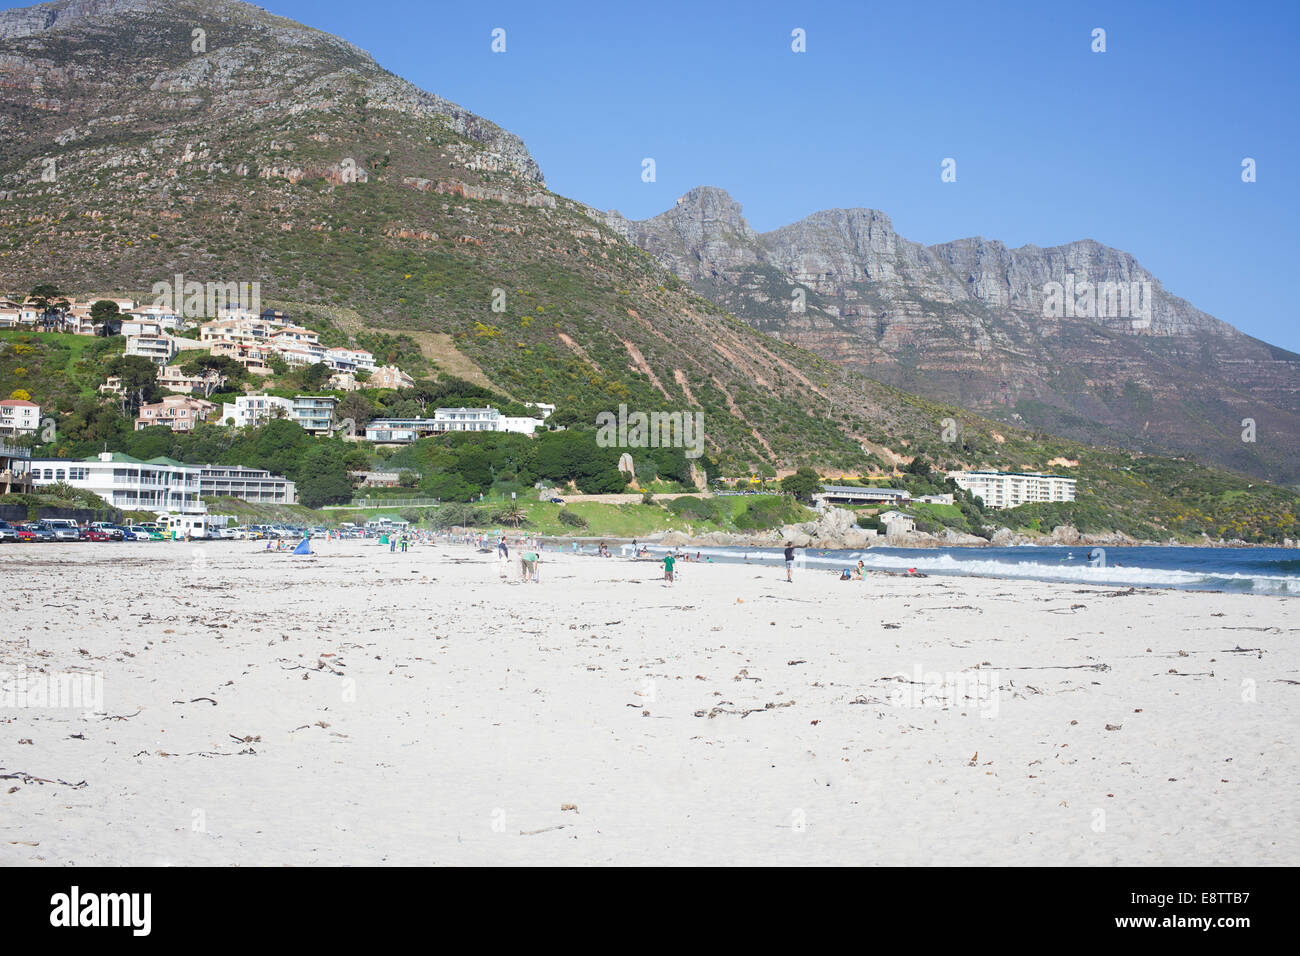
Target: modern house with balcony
x=250, y=484
x=159, y=484
x=159, y=349
x=15, y=470
x=405, y=430
x=255, y=410
x=180, y=413
x=315, y=413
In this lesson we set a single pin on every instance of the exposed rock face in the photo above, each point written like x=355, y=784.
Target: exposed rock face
x=253, y=64
x=977, y=323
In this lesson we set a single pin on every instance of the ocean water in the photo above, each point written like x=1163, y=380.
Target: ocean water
x=1241, y=570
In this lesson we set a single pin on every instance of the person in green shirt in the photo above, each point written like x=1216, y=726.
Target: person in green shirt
x=669, y=561
x=530, y=561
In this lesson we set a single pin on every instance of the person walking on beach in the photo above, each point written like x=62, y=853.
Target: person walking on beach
x=503, y=558
x=789, y=562
x=669, y=561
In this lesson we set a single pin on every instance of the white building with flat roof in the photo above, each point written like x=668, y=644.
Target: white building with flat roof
x=315, y=413
x=1010, y=489
x=159, y=484
x=249, y=484
x=255, y=410
x=159, y=349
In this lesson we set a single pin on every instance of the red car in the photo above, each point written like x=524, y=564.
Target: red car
x=25, y=533
x=94, y=534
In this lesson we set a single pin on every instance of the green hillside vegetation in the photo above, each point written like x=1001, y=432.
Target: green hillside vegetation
x=531, y=288
x=591, y=519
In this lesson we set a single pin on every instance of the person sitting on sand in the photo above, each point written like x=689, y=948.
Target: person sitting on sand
x=858, y=571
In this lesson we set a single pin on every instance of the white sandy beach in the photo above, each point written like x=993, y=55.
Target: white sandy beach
x=413, y=709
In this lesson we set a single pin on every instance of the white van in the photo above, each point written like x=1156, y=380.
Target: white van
x=176, y=526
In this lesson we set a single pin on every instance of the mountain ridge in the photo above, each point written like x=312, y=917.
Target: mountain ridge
x=967, y=321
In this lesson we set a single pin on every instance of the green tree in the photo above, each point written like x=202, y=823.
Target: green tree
x=803, y=484
x=52, y=305
x=357, y=407
x=139, y=380
x=106, y=314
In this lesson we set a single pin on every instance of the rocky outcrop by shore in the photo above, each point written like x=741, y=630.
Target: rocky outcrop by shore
x=837, y=530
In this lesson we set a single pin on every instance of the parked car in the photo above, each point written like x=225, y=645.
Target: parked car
x=24, y=533
x=40, y=532
x=65, y=529
x=147, y=532
x=113, y=531
x=7, y=531
x=227, y=534
x=98, y=534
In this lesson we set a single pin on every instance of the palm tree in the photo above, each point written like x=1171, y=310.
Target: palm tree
x=512, y=515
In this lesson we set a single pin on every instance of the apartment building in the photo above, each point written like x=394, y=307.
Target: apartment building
x=19, y=417
x=315, y=413
x=1008, y=489
x=180, y=413
x=250, y=484
x=159, y=484
x=159, y=349
x=255, y=410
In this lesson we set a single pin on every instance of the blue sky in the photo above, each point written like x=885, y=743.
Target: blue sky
x=1139, y=147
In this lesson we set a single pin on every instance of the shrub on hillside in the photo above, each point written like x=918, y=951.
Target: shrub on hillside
x=695, y=509
x=571, y=518
x=456, y=514
x=763, y=513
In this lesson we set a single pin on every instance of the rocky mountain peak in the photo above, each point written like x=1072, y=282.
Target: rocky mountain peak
x=1079, y=338
x=246, y=63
